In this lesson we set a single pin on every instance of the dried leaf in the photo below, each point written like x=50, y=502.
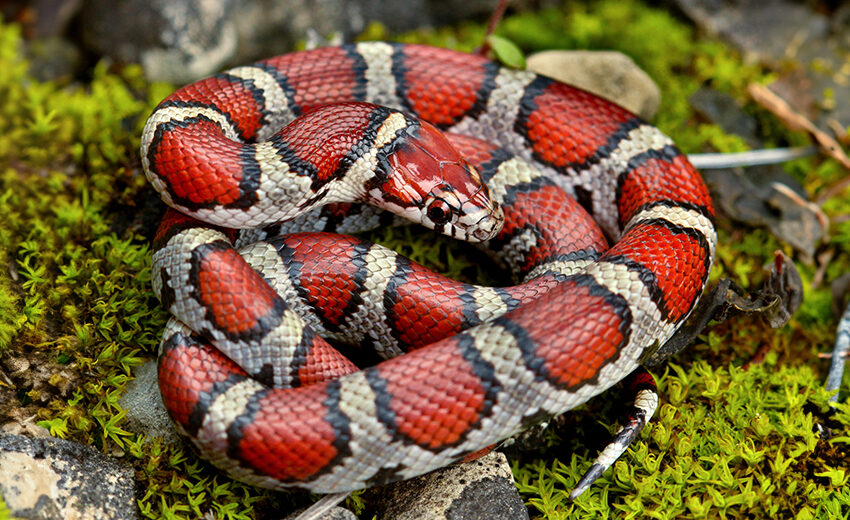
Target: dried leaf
x=777, y=300
x=796, y=121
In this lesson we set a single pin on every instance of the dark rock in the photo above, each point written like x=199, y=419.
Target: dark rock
x=270, y=27
x=40, y=18
x=176, y=41
x=762, y=195
x=49, y=478
x=499, y=495
x=53, y=16
x=53, y=58
x=334, y=513
x=480, y=489
x=764, y=31
x=184, y=40
x=771, y=204
x=722, y=109
x=839, y=23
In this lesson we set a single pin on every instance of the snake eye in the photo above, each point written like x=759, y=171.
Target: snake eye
x=439, y=212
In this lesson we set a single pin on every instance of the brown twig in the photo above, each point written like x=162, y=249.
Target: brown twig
x=842, y=135
x=495, y=18
x=758, y=357
x=829, y=355
x=822, y=262
x=794, y=197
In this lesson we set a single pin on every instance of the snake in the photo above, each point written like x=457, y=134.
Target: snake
x=267, y=168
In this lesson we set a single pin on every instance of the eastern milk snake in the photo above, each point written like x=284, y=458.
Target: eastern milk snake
x=243, y=370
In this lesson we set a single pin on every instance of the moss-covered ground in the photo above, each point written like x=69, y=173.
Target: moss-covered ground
x=735, y=436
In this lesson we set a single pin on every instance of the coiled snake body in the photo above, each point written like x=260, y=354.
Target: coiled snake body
x=243, y=370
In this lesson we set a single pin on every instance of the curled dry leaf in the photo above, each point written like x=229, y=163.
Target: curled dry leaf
x=776, y=300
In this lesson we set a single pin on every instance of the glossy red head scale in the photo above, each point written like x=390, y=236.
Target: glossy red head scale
x=429, y=182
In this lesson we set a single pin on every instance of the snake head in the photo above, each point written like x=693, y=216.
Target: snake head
x=428, y=181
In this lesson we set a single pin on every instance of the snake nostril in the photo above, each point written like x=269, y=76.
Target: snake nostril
x=486, y=228
x=480, y=234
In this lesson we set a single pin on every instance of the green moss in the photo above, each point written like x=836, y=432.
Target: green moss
x=178, y=485
x=5, y=514
x=728, y=441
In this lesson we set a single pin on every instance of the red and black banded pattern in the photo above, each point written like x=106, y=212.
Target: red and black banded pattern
x=443, y=95
x=603, y=125
x=293, y=145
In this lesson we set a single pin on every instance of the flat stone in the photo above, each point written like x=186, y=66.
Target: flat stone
x=609, y=74
x=483, y=488
x=49, y=479
x=334, y=513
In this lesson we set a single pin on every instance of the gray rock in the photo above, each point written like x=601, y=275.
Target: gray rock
x=56, y=479
x=183, y=40
x=764, y=31
x=271, y=27
x=176, y=41
x=268, y=27
x=334, y=513
x=53, y=58
x=482, y=489
x=146, y=414
x=609, y=74
x=722, y=109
